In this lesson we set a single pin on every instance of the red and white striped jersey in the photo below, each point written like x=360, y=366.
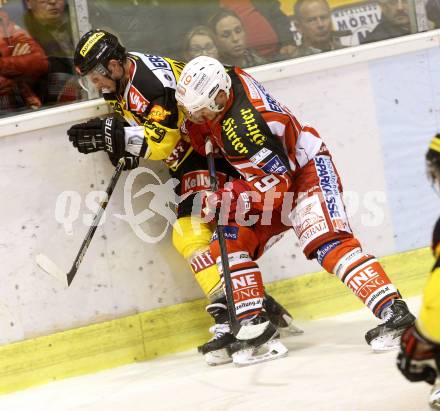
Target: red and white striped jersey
x=260, y=137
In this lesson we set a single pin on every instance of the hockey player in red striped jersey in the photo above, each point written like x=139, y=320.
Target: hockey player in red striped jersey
x=288, y=180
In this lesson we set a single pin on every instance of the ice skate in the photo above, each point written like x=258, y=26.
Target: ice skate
x=434, y=397
x=265, y=346
x=280, y=317
x=386, y=336
x=215, y=350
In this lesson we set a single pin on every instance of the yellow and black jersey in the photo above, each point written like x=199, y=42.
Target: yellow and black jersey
x=149, y=100
x=429, y=320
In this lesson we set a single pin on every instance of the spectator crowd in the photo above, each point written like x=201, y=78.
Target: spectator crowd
x=37, y=37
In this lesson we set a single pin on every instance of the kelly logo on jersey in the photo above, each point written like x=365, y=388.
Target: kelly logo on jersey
x=195, y=181
x=199, y=181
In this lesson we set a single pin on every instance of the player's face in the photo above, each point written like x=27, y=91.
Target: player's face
x=203, y=115
x=231, y=37
x=315, y=22
x=101, y=82
x=396, y=12
x=206, y=114
x=105, y=79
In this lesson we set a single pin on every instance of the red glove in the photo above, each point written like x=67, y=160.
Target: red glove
x=198, y=134
x=231, y=203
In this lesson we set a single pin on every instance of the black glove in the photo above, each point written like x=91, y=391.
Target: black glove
x=96, y=135
x=417, y=357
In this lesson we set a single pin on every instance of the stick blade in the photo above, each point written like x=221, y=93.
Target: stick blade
x=50, y=267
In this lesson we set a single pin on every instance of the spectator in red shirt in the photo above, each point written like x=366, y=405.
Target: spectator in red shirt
x=48, y=22
x=22, y=61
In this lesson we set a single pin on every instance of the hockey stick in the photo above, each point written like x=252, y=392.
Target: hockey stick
x=50, y=267
x=235, y=326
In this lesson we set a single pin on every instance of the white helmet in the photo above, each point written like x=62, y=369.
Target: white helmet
x=201, y=80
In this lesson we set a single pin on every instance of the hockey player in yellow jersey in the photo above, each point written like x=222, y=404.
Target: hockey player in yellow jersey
x=419, y=357
x=147, y=123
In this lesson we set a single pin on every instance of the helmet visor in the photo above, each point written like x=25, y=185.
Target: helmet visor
x=92, y=80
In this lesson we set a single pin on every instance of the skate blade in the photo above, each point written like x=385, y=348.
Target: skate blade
x=385, y=343
x=218, y=357
x=274, y=349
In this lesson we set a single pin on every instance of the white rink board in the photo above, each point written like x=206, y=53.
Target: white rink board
x=372, y=141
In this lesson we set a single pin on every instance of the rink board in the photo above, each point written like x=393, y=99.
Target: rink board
x=180, y=327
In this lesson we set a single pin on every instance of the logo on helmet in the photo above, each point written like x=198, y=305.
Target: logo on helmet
x=90, y=43
x=201, y=83
x=102, y=51
x=213, y=90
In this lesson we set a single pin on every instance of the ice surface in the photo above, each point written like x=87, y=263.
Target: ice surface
x=329, y=367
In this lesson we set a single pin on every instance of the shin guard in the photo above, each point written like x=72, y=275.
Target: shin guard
x=247, y=284
x=360, y=272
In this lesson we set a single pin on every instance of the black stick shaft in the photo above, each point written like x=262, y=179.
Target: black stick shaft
x=235, y=326
x=85, y=245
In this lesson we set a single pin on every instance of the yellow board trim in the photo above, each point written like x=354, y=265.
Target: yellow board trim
x=181, y=327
